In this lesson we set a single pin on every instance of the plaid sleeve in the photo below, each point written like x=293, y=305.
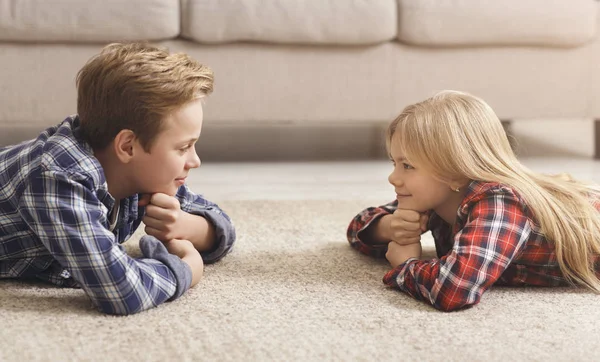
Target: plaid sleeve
x=495, y=232
x=224, y=229
x=68, y=219
x=361, y=222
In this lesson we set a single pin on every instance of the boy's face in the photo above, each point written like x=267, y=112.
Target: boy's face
x=165, y=168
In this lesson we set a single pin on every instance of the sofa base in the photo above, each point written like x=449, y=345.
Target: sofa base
x=290, y=141
x=296, y=142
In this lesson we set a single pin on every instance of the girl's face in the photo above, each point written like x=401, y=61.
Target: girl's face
x=417, y=189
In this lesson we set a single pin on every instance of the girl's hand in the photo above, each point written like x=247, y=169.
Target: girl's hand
x=406, y=226
x=398, y=254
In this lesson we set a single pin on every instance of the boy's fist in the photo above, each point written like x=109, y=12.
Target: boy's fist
x=163, y=216
x=406, y=226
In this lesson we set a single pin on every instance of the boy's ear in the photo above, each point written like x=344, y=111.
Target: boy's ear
x=124, y=145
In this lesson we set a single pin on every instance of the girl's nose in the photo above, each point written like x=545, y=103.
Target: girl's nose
x=394, y=179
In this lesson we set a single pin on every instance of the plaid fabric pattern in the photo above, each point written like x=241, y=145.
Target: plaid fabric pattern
x=495, y=240
x=54, y=224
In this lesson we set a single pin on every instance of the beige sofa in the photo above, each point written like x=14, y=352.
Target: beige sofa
x=313, y=62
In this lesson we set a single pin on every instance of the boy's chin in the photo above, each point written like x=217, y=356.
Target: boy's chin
x=170, y=191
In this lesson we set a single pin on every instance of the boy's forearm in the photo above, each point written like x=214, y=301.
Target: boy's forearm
x=200, y=232
x=185, y=251
x=196, y=264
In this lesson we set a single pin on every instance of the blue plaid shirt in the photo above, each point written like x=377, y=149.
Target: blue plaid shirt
x=54, y=225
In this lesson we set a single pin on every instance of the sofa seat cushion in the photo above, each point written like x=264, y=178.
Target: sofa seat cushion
x=88, y=20
x=497, y=22
x=290, y=21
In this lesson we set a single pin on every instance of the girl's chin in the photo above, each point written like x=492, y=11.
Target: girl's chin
x=409, y=206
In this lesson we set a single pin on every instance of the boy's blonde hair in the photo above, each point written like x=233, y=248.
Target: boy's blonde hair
x=457, y=136
x=135, y=86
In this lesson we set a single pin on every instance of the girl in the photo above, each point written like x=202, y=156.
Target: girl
x=493, y=220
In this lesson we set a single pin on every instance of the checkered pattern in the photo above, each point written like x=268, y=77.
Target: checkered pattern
x=495, y=240
x=54, y=225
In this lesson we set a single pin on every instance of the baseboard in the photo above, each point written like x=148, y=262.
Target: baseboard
x=292, y=142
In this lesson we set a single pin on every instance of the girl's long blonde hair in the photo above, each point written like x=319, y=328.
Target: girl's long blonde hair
x=456, y=136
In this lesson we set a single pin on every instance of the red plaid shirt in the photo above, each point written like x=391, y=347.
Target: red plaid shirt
x=495, y=240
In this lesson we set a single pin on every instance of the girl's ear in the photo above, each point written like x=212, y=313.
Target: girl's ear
x=458, y=185
x=124, y=145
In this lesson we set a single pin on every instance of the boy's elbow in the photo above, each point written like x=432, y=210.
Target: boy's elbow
x=213, y=257
x=122, y=307
x=223, y=246
x=117, y=309
x=115, y=312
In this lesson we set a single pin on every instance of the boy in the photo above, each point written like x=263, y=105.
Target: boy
x=69, y=197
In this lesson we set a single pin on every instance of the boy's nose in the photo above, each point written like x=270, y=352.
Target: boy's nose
x=194, y=160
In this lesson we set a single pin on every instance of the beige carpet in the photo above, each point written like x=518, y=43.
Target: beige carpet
x=294, y=290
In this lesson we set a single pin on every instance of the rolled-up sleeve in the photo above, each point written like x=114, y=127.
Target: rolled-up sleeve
x=361, y=222
x=224, y=228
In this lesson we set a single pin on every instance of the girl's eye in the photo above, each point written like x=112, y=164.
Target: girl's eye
x=407, y=166
x=183, y=150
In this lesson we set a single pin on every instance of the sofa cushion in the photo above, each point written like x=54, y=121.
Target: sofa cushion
x=88, y=20
x=497, y=22
x=290, y=21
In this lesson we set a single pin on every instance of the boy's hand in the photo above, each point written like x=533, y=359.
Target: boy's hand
x=398, y=254
x=188, y=253
x=164, y=217
x=406, y=226
x=165, y=221
x=180, y=247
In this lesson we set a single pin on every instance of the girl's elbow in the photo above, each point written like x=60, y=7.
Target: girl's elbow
x=453, y=304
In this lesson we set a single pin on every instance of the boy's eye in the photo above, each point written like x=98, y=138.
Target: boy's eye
x=185, y=148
